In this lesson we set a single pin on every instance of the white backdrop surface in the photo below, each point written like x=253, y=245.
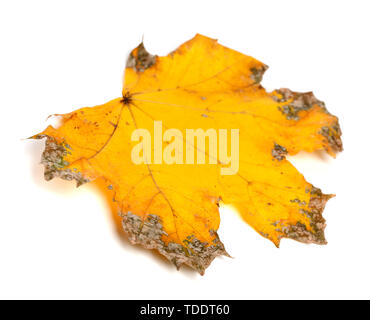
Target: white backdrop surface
x=57, y=241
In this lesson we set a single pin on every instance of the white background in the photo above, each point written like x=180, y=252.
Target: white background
x=57, y=241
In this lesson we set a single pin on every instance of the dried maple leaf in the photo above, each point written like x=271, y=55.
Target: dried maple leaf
x=174, y=208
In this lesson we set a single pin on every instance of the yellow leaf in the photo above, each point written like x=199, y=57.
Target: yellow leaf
x=143, y=143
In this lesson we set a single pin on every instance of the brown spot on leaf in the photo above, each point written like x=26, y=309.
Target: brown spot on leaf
x=140, y=59
x=332, y=135
x=257, y=73
x=299, y=231
x=279, y=152
x=297, y=102
x=54, y=164
x=193, y=252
